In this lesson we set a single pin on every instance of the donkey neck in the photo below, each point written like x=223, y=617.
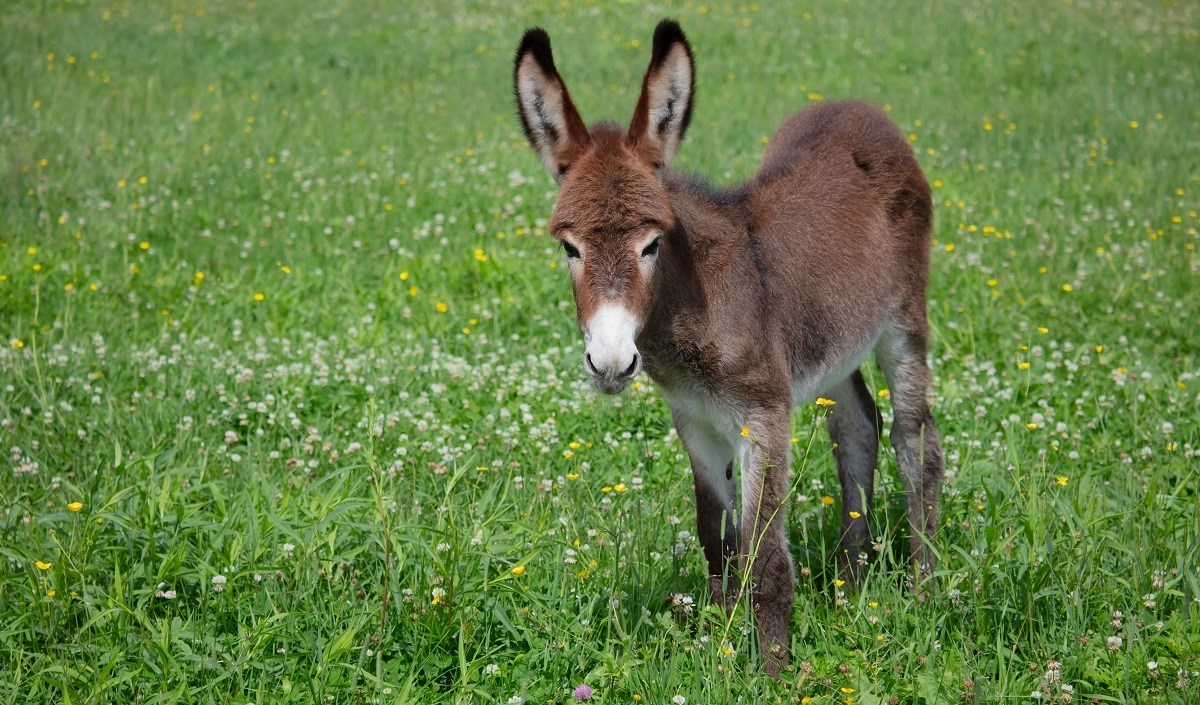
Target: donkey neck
x=706, y=251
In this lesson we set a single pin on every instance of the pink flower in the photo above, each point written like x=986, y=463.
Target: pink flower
x=583, y=691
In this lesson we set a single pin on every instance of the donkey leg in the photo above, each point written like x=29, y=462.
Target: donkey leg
x=854, y=428
x=915, y=438
x=766, y=555
x=716, y=524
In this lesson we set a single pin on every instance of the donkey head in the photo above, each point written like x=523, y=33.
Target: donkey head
x=612, y=212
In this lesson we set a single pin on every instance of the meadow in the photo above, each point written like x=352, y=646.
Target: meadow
x=291, y=392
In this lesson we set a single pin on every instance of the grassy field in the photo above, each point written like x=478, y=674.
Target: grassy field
x=291, y=387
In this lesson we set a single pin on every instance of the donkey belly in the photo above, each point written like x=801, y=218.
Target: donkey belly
x=809, y=382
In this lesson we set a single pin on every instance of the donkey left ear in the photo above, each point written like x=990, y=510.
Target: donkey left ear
x=664, y=108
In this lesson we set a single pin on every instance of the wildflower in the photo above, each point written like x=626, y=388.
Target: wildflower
x=518, y=570
x=441, y=306
x=745, y=431
x=491, y=669
x=822, y=401
x=75, y=506
x=583, y=691
x=1114, y=643
x=288, y=550
x=1031, y=425
x=218, y=583
x=679, y=700
x=1067, y=288
x=855, y=515
x=620, y=487
x=1062, y=480
x=827, y=501
x=1022, y=365
x=259, y=296
x=42, y=565
x=847, y=690
x=572, y=476
x=883, y=393
x=52, y=593
x=481, y=256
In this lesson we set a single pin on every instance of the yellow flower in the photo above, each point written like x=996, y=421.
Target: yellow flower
x=31, y=250
x=259, y=296
x=1043, y=330
x=573, y=445
x=847, y=690
x=518, y=570
x=839, y=583
x=606, y=489
x=75, y=506
x=805, y=700
x=1031, y=425
x=441, y=306
x=404, y=276
x=745, y=431
x=144, y=245
x=1062, y=480
x=568, y=454
x=17, y=343
x=872, y=605
x=480, y=255
x=883, y=393
x=1099, y=349
x=822, y=401
x=855, y=515
x=51, y=593
x=620, y=487
x=41, y=565
x=142, y=180
x=950, y=247
x=1022, y=365
x=827, y=501
x=572, y=476
x=1067, y=288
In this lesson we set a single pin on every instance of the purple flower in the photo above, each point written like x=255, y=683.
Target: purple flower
x=583, y=691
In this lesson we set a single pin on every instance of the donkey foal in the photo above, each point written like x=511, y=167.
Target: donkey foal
x=744, y=302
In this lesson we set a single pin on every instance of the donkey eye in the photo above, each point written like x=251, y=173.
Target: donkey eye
x=652, y=249
x=570, y=249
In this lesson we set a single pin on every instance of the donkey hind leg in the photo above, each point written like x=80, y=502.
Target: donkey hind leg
x=854, y=428
x=915, y=438
x=716, y=521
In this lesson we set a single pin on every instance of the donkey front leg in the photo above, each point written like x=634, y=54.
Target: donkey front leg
x=765, y=555
x=712, y=473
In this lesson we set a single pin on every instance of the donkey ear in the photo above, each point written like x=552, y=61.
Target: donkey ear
x=664, y=108
x=551, y=123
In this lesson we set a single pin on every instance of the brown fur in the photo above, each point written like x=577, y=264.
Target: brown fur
x=761, y=297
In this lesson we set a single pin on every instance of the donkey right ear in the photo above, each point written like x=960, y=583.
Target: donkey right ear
x=551, y=123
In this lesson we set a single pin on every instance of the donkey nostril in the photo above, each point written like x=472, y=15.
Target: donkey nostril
x=632, y=369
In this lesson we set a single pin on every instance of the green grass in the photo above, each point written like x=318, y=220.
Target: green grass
x=403, y=404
